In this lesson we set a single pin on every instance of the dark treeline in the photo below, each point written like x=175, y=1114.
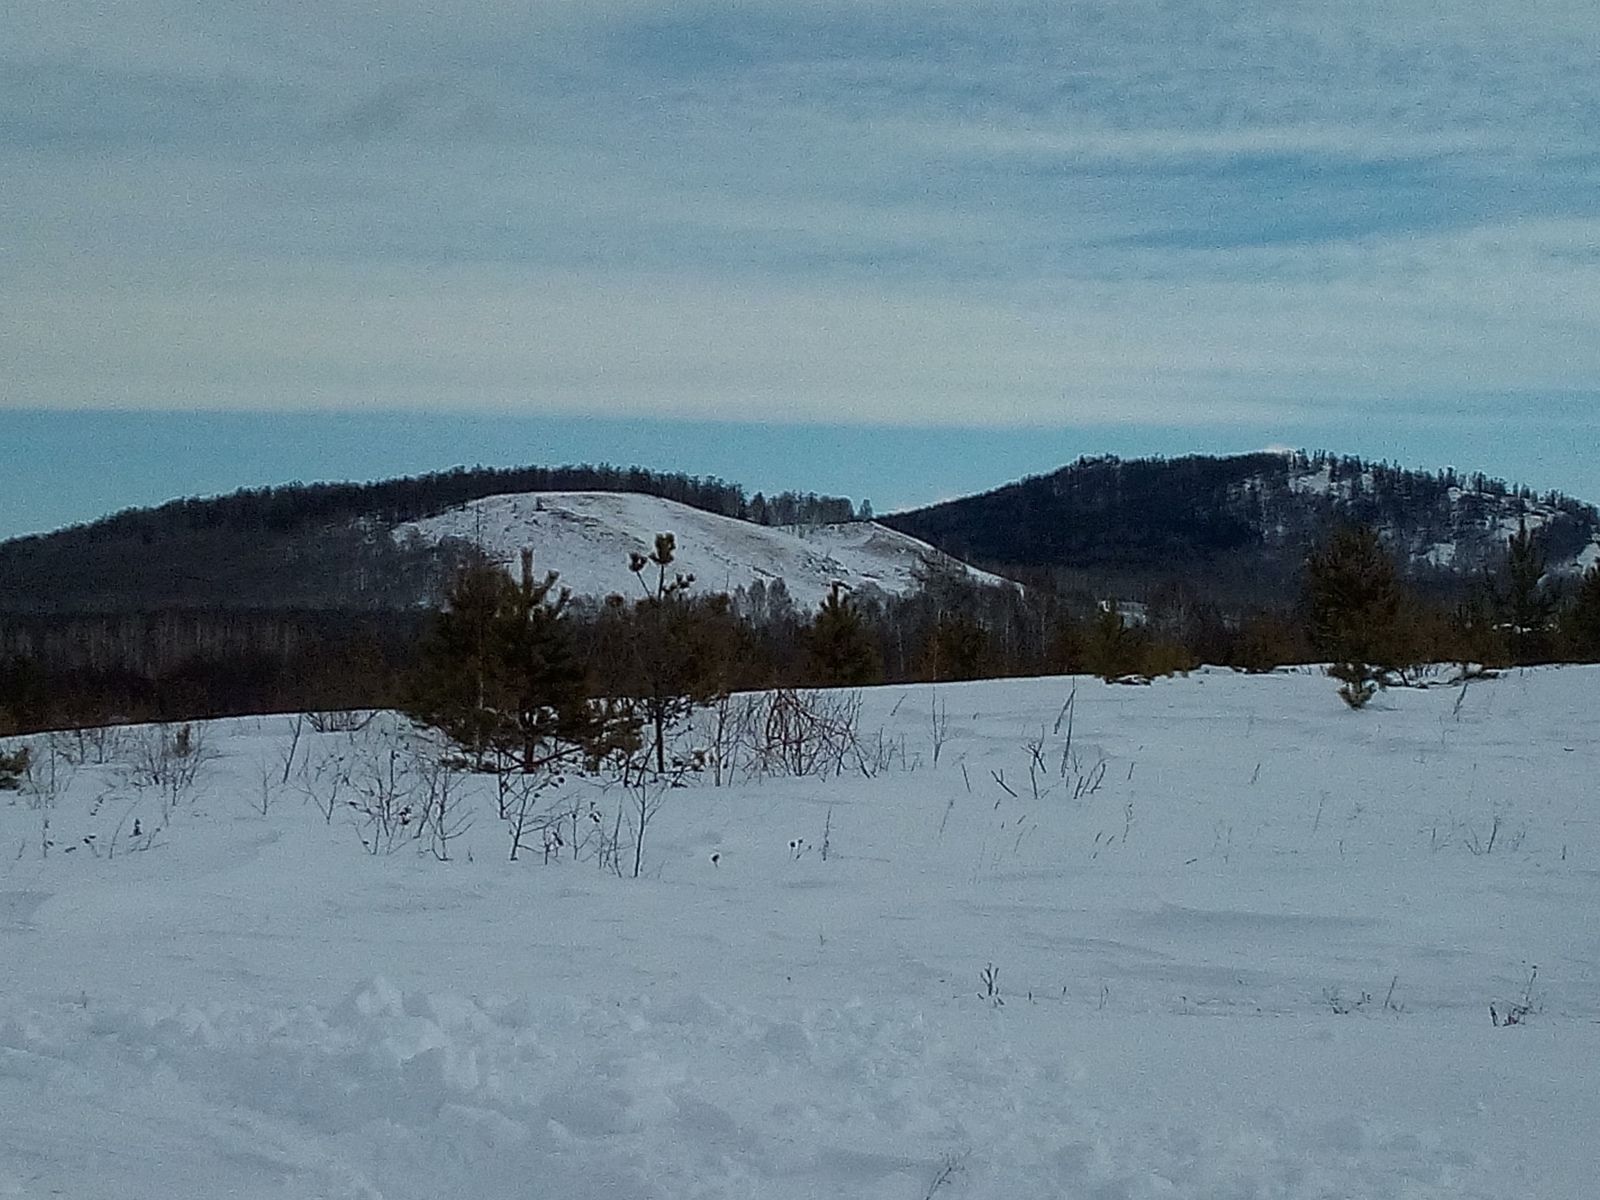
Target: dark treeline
x=66, y=671
x=297, y=506
x=72, y=671
x=1129, y=570
x=341, y=567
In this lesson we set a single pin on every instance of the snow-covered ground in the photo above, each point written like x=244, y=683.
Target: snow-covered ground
x=1242, y=943
x=588, y=536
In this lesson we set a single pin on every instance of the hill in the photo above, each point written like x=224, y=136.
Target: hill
x=1239, y=528
x=1236, y=529
x=586, y=537
x=326, y=546
x=315, y=597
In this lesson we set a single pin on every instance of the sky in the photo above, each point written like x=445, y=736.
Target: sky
x=892, y=249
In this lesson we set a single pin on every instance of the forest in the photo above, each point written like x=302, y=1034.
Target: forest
x=1238, y=528
x=71, y=670
x=299, y=599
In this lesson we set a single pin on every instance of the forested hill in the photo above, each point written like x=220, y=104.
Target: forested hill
x=324, y=545
x=1233, y=530
x=1243, y=525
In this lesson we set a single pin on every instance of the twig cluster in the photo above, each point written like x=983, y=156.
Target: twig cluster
x=1519, y=1010
x=790, y=732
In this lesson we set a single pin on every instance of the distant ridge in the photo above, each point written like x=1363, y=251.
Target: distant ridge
x=293, y=506
x=1241, y=526
x=1233, y=530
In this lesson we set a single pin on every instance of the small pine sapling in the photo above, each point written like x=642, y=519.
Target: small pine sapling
x=14, y=768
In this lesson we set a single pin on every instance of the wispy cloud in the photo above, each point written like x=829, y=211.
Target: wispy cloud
x=1000, y=213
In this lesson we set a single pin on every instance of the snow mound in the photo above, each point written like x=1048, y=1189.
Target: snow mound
x=587, y=538
x=400, y=1096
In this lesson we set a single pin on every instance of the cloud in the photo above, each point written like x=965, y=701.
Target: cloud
x=489, y=337
x=1023, y=213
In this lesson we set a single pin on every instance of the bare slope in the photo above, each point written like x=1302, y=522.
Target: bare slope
x=587, y=537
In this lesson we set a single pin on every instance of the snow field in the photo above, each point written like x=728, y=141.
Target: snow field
x=1244, y=946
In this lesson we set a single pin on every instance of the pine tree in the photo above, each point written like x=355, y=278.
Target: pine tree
x=1354, y=606
x=674, y=649
x=957, y=648
x=839, y=651
x=500, y=677
x=1067, y=653
x=1113, y=649
x=1266, y=641
x=1524, y=607
x=460, y=682
x=1475, y=635
x=547, y=684
x=1580, y=622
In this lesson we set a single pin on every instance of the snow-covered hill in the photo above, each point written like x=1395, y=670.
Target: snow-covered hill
x=1461, y=524
x=1216, y=937
x=1242, y=526
x=587, y=537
